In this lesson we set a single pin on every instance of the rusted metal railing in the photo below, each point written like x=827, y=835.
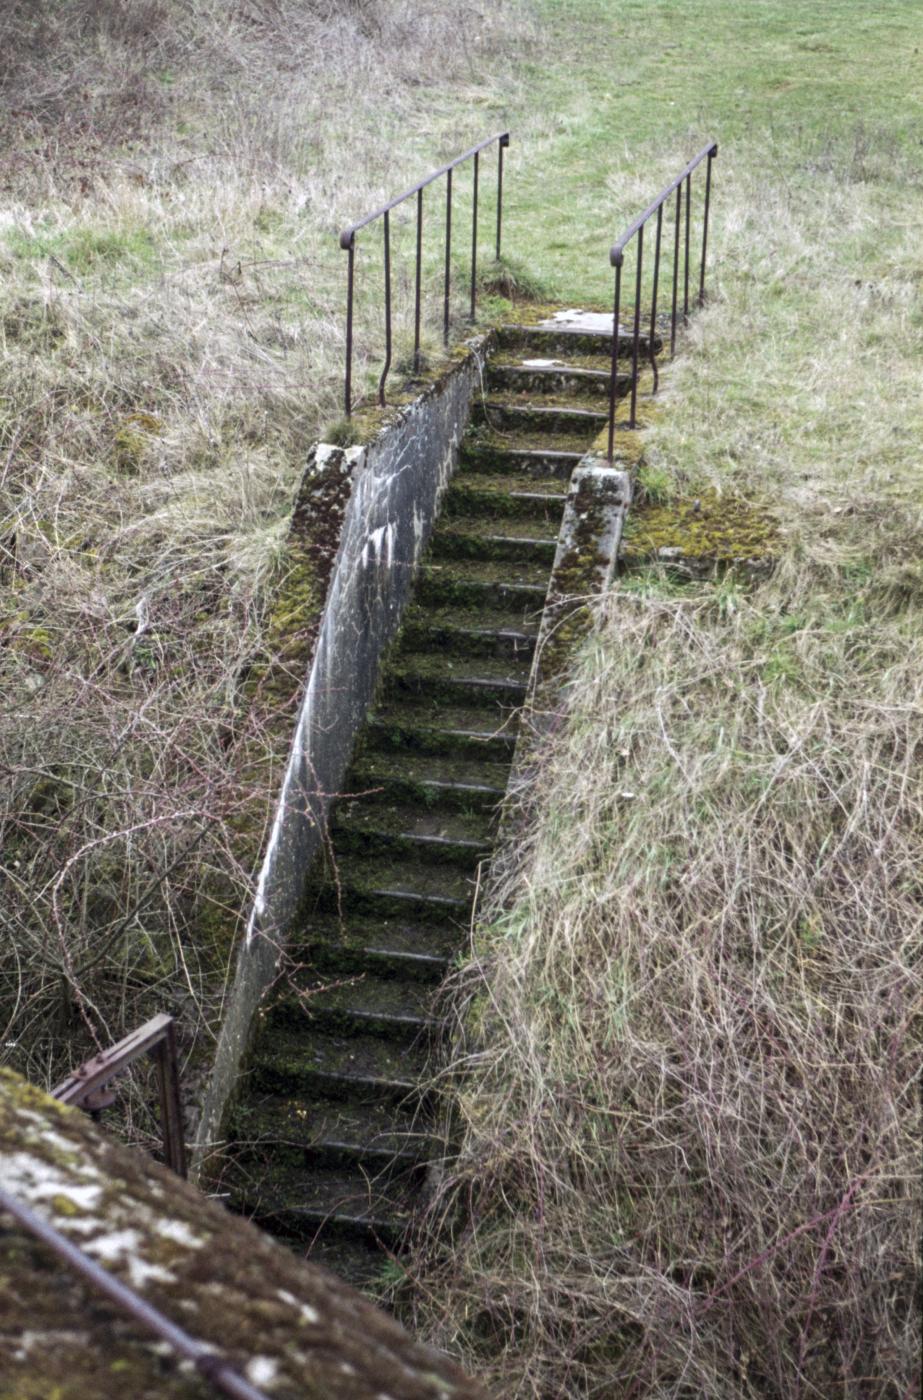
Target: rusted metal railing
x=88, y=1086
x=348, y=242
x=209, y=1363
x=682, y=229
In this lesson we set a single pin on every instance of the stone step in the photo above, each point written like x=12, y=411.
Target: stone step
x=496, y=497
x=393, y=887
x=360, y=1261
x=513, y=541
x=484, y=583
x=296, y=1203
x=433, y=836
x=430, y=780
x=468, y=681
x=514, y=455
x=385, y=947
x=585, y=334
x=473, y=755
x=540, y=375
x=360, y=1005
x=514, y=415
x=299, y=1131
x=471, y=640
x=368, y=1068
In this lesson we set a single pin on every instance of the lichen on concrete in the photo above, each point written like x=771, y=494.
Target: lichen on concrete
x=293, y=1329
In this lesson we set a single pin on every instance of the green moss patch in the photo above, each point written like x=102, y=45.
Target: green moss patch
x=705, y=527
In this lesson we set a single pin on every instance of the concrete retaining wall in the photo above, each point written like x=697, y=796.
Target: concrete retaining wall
x=392, y=489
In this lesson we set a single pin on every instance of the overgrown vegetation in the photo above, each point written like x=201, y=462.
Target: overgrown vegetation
x=171, y=300
x=685, y=1076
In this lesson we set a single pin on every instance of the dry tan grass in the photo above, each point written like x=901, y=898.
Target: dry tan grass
x=171, y=306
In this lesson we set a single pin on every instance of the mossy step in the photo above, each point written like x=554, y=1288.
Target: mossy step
x=551, y=375
x=560, y=340
x=495, y=496
x=392, y=887
x=513, y=541
x=514, y=617
x=484, y=583
x=359, y=1262
x=529, y=416
x=421, y=635
x=493, y=455
x=387, y=947
x=425, y=834
x=362, y=1005
x=366, y=1067
x=412, y=732
x=430, y=781
x=294, y=1202
x=441, y=780
x=281, y=1128
x=484, y=680
x=413, y=821
x=481, y=449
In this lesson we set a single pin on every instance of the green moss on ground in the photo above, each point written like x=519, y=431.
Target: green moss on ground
x=710, y=526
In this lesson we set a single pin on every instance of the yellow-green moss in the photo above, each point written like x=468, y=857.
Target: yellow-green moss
x=705, y=527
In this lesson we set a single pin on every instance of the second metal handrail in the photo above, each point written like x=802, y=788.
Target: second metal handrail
x=86, y=1087
x=682, y=235
x=348, y=242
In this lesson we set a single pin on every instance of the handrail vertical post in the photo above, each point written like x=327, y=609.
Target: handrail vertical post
x=651, y=351
x=350, y=272
x=711, y=156
x=474, y=240
x=171, y=1109
x=636, y=331
x=448, y=256
x=686, y=261
x=387, y=365
x=417, y=288
x=613, y=382
x=504, y=142
x=677, y=220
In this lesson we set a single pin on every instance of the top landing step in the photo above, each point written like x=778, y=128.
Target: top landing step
x=576, y=331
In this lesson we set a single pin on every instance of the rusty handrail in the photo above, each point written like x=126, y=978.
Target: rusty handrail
x=209, y=1363
x=348, y=243
x=617, y=257
x=86, y=1087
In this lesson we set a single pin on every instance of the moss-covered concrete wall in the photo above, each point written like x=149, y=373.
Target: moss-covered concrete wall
x=293, y=1329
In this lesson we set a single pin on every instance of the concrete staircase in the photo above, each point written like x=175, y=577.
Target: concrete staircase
x=330, y=1135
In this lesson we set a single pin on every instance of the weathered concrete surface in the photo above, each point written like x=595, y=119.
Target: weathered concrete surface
x=585, y=564
x=293, y=1329
x=390, y=492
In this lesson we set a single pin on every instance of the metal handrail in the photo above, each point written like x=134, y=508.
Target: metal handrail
x=348, y=243
x=86, y=1087
x=208, y=1362
x=617, y=257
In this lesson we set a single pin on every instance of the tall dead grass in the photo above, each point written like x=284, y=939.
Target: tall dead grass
x=684, y=1074
x=689, y=1087
x=171, y=303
